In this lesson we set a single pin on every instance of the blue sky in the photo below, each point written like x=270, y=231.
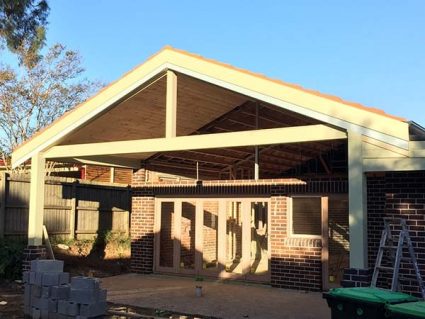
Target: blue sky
x=371, y=52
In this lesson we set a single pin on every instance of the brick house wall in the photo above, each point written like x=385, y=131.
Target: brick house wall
x=210, y=229
x=104, y=174
x=295, y=262
x=398, y=194
x=142, y=226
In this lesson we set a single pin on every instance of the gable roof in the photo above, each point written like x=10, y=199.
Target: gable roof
x=371, y=122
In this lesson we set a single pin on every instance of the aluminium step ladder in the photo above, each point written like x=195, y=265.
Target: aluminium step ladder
x=387, y=244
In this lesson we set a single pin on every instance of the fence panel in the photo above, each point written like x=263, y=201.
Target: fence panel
x=73, y=208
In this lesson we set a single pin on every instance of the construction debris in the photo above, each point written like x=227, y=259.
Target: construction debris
x=50, y=294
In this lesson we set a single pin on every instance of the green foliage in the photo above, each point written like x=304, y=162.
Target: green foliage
x=33, y=97
x=23, y=27
x=11, y=253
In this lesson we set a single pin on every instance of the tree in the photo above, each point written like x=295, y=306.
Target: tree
x=32, y=97
x=23, y=27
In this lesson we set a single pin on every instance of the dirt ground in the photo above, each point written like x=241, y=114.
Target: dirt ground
x=12, y=293
x=154, y=296
x=229, y=300
x=85, y=264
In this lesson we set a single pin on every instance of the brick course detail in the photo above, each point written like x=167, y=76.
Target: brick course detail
x=295, y=262
x=32, y=253
x=142, y=227
x=398, y=194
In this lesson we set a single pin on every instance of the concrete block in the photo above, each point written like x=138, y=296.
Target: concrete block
x=46, y=265
x=83, y=296
x=45, y=292
x=27, y=310
x=102, y=295
x=60, y=292
x=93, y=310
x=44, y=313
x=26, y=277
x=68, y=308
x=64, y=278
x=35, y=313
x=73, y=309
x=32, y=277
x=27, y=295
x=38, y=278
x=53, y=305
x=41, y=303
x=89, y=283
x=35, y=291
x=62, y=307
x=50, y=279
x=35, y=301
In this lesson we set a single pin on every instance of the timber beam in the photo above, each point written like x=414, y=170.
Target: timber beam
x=298, y=134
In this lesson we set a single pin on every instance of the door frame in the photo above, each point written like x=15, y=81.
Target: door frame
x=221, y=240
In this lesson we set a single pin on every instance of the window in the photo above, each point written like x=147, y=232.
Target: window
x=306, y=216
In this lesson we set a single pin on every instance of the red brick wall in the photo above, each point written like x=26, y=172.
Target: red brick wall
x=187, y=235
x=210, y=231
x=98, y=173
x=103, y=174
x=295, y=262
x=398, y=194
x=142, y=227
x=122, y=175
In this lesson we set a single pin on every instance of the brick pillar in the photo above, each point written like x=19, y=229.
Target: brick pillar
x=142, y=224
x=32, y=253
x=355, y=277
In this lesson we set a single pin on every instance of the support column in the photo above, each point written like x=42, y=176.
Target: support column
x=36, y=207
x=257, y=164
x=171, y=105
x=257, y=151
x=357, y=203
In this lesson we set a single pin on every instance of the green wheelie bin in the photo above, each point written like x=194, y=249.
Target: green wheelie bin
x=363, y=302
x=409, y=310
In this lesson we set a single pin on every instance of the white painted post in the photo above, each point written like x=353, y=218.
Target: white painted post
x=357, y=202
x=257, y=152
x=257, y=164
x=36, y=207
x=171, y=105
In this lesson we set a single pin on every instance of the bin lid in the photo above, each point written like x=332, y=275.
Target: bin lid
x=416, y=309
x=375, y=295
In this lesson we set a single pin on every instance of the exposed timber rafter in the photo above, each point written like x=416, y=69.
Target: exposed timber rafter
x=103, y=161
x=296, y=134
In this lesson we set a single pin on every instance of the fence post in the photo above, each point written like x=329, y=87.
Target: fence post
x=3, y=184
x=73, y=212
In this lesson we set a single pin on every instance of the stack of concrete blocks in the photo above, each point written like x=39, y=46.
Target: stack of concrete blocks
x=49, y=295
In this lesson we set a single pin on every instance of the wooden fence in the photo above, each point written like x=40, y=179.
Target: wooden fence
x=73, y=208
